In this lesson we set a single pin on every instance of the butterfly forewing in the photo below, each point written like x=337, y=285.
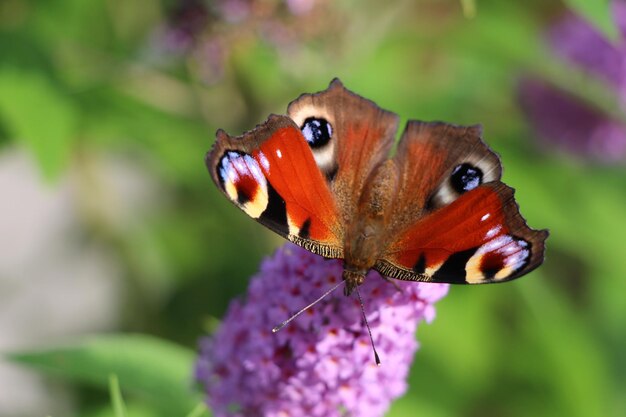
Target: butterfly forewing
x=272, y=176
x=478, y=238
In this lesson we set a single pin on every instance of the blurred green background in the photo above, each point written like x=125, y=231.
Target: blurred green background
x=111, y=226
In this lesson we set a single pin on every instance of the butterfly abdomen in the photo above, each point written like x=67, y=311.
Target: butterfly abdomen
x=364, y=240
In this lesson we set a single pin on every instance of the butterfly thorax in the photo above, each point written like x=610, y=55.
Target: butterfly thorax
x=365, y=236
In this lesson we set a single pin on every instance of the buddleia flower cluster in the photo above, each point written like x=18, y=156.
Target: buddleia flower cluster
x=566, y=121
x=322, y=363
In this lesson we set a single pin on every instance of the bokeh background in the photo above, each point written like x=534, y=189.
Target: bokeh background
x=117, y=253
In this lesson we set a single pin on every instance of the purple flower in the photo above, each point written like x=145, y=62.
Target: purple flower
x=300, y=7
x=234, y=11
x=187, y=20
x=568, y=122
x=322, y=363
x=207, y=33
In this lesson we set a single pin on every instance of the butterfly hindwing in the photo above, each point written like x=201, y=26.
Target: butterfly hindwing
x=349, y=136
x=437, y=163
x=270, y=174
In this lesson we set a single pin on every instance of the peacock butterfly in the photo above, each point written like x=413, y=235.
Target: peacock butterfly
x=322, y=177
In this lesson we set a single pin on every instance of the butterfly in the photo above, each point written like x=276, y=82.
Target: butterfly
x=322, y=177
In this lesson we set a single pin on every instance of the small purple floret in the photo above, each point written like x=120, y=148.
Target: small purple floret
x=322, y=363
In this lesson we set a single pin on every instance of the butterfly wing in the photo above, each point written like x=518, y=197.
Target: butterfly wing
x=270, y=173
x=453, y=220
x=428, y=155
x=349, y=136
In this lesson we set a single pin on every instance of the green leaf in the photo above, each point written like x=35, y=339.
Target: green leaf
x=119, y=407
x=598, y=13
x=199, y=411
x=156, y=369
x=571, y=356
x=37, y=114
x=134, y=408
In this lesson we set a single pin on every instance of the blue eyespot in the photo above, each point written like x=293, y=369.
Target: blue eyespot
x=465, y=177
x=317, y=132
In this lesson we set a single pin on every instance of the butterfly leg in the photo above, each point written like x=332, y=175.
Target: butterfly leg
x=393, y=282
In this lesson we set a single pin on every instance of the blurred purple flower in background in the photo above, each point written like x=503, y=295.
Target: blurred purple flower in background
x=322, y=363
x=186, y=21
x=566, y=121
x=207, y=31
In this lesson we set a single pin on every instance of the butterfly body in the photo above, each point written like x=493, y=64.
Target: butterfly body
x=366, y=235
x=323, y=177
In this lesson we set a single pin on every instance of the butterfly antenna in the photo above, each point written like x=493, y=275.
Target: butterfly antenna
x=302, y=310
x=369, y=331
